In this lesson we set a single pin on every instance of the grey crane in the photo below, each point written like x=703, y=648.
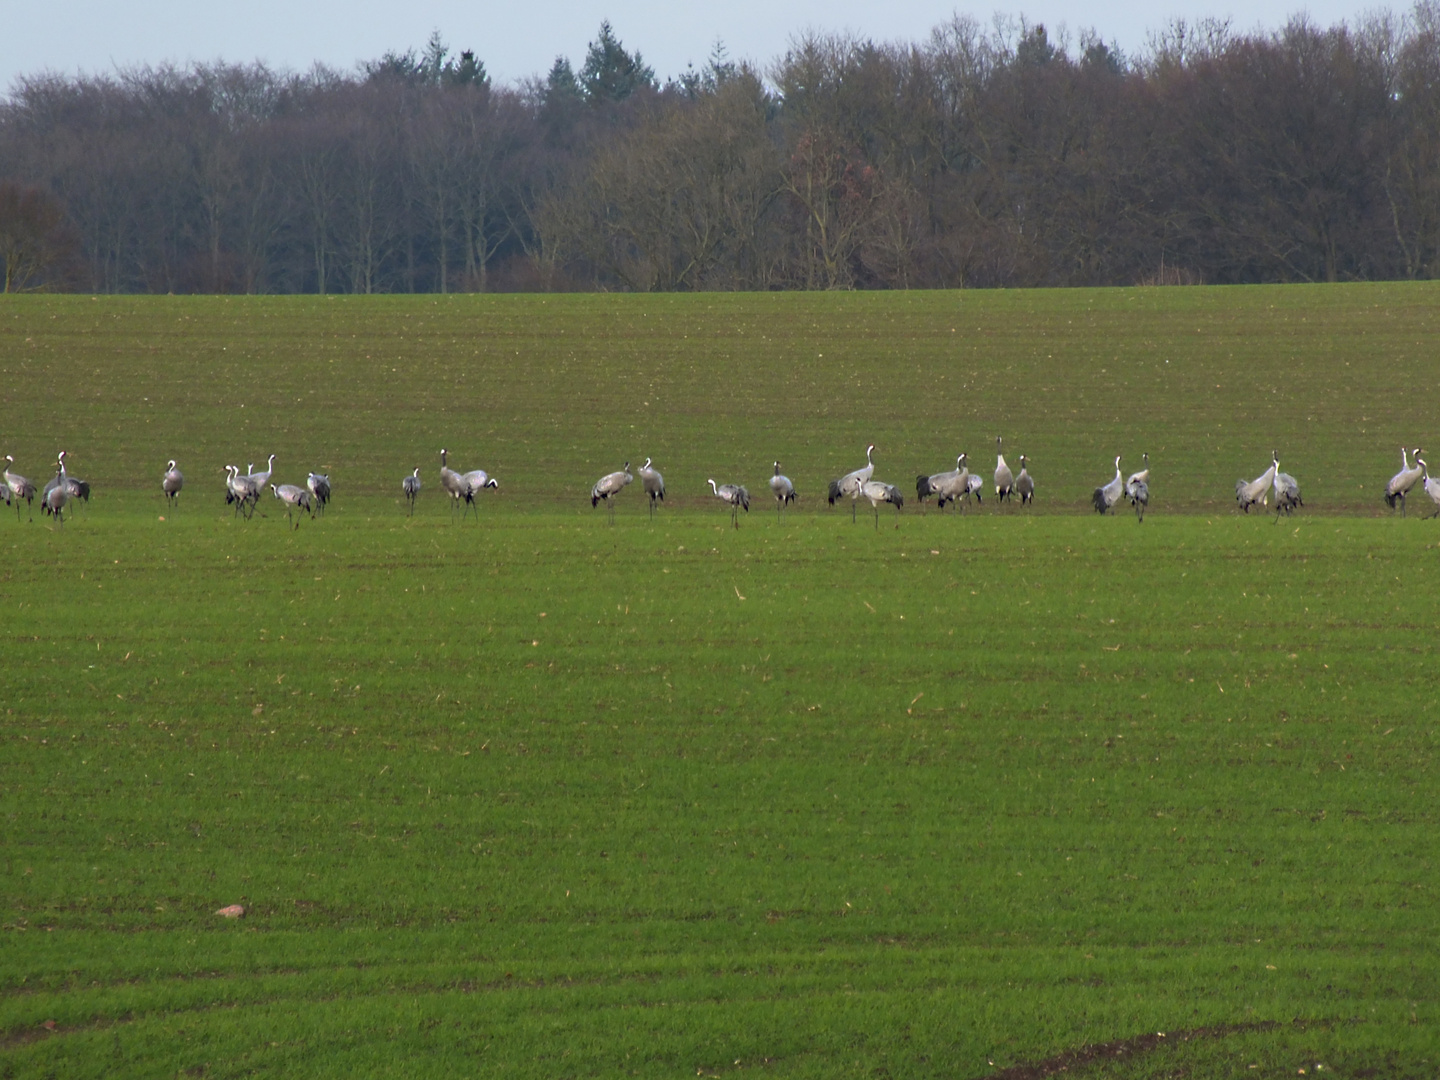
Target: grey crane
x=1137, y=489
x=19, y=487
x=1004, y=479
x=736, y=496
x=293, y=497
x=319, y=485
x=171, y=483
x=783, y=490
x=849, y=484
x=242, y=490
x=608, y=486
x=1287, y=491
x=1106, y=496
x=451, y=481
x=945, y=486
x=877, y=491
x=411, y=486
x=57, y=493
x=653, y=483
x=1248, y=493
x=75, y=487
x=976, y=487
x=1401, y=483
x=476, y=481
x=1432, y=488
x=1025, y=483
x=261, y=481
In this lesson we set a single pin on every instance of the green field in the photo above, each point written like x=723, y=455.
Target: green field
x=541, y=796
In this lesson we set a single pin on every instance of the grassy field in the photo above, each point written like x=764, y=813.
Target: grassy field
x=539, y=796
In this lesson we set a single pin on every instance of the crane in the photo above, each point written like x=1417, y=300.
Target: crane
x=292, y=497
x=476, y=481
x=1137, y=488
x=1250, y=492
x=877, y=491
x=319, y=485
x=783, y=490
x=451, y=481
x=57, y=493
x=171, y=483
x=411, y=486
x=1401, y=483
x=608, y=486
x=1004, y=479
x=653, y=483
x=1108, y=495
x=736, y=496
x=19, y=487
x=1432, y=488
x=1025, y=484
x=1287, y=490
x=849, y=484
x=945, y=486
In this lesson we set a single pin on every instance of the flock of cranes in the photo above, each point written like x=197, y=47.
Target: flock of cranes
x=244, y=490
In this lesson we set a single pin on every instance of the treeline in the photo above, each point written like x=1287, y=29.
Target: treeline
x=984, y=156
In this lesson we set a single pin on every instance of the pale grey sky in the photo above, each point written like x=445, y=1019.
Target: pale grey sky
x=518, y=39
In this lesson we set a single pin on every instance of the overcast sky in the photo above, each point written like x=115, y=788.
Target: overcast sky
x=518, y=39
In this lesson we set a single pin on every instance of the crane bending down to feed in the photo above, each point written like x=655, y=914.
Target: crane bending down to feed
x=653, y=483
x=849, y=484
x=1004, y=478
x=19, y=487
x=1107, y=496
x=1137, y=489
x=171, y=483
x=292, y=497
x=476, y=481
x=608, y=486
x=1248, y=493
x=319, y=485
x=1287, y=491
x=783, y=490
x=877, y=491
x=411, y=486
x=1431, y=487
x=1025, y=484
x=736, y=496
x=1401, y=483
x=975, y=487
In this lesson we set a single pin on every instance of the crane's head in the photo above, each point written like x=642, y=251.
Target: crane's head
x=442, y=457
x=416, y=473
x=171, y=464
x=10, y=459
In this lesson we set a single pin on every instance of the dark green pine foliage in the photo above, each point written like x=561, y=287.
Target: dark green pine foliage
x=611, y=73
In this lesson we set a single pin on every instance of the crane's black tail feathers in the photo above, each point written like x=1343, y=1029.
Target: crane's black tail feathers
x=834, y=491
x=1391, y=499
x=1099, y=500
x=923, y=488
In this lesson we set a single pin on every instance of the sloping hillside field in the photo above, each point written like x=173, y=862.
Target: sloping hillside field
x=962, y=795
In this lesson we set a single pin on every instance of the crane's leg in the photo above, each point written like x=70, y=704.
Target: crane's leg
x=852, y=510
x=1402, y=506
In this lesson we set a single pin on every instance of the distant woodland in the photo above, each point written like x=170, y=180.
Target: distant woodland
x=988, y=155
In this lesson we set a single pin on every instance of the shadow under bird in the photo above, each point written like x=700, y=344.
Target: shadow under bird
x=411, y=486
x=783, y=490
x=734, y=494
x=171, y=483
x=1137, y=489
x=1402, y=482
x=608, y=486
x=848, y=486
x=1106, y=496
x=653, y=483
x=293, y=497
x=20, y=488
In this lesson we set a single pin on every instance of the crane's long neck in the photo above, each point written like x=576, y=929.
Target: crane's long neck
x=713, y=488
